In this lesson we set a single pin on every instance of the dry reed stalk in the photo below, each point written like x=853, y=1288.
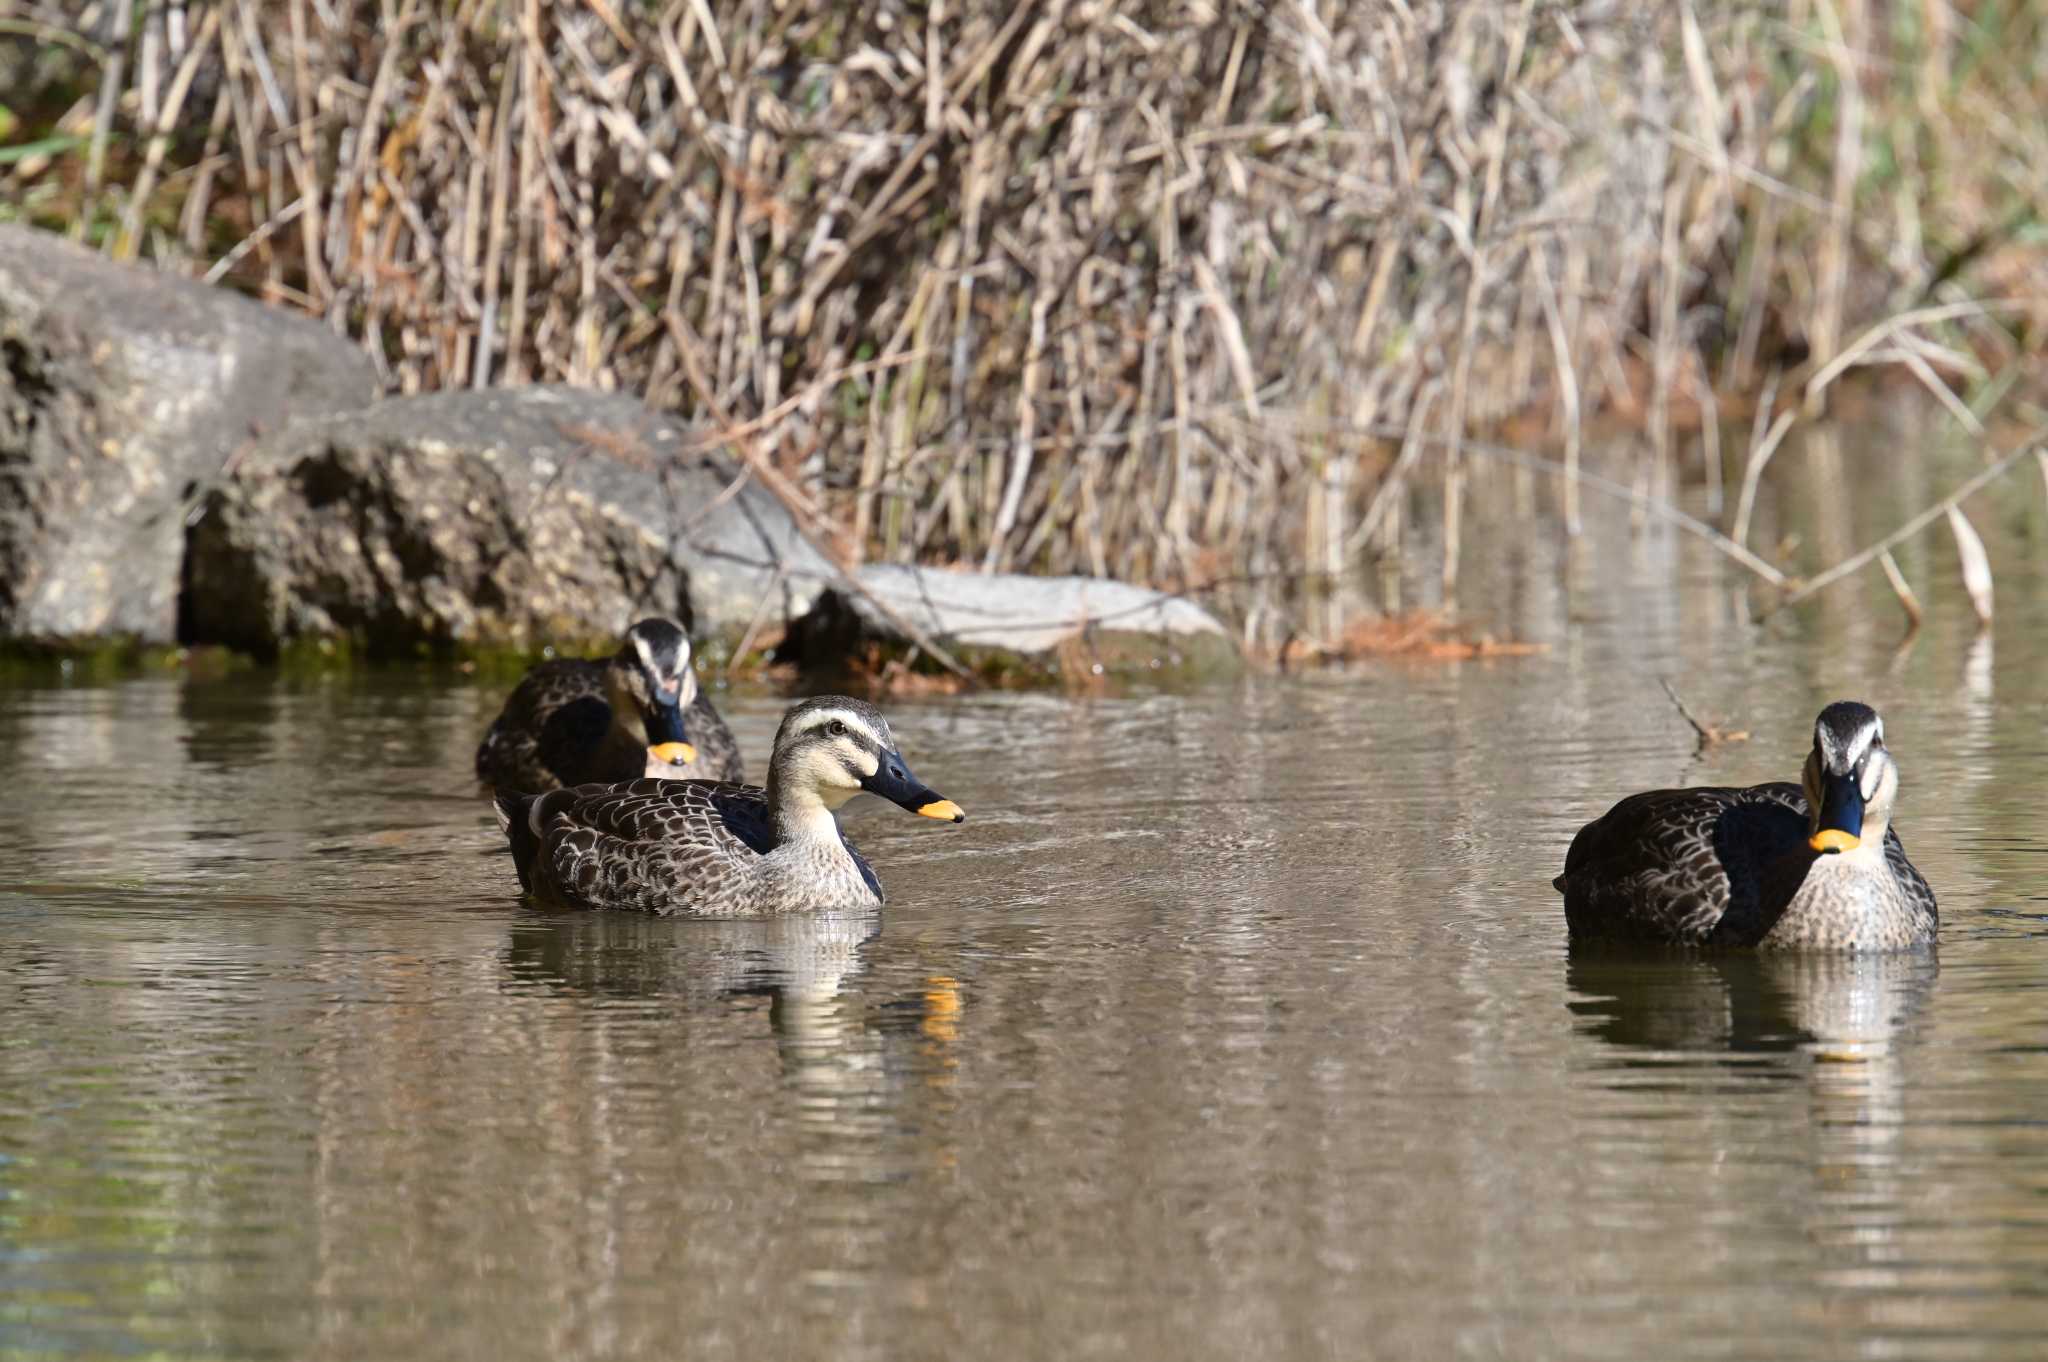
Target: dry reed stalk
x=1027, y=421
x=149, y=82
x=1710, y=430
x=1753, y=471
x=1666, y=339
x=1385, y=502
x=1976, y=563
x=128, y=241
x=1760, y=451
x=1476, y=251
x=1567, y=389
x=192, y=217
x=881, y=447
x=1762, y=265
x=1908, y=602
x=1825, y=331
x=112, y=71
x=1859, y=350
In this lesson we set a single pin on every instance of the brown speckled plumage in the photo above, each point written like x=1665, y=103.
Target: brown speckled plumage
x=560, y=727
x=719, y=849
x=1735, y=867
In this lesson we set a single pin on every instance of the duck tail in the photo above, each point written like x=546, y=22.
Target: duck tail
x=515, y=820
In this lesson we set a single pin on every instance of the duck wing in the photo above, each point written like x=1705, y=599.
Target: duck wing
x=652, y=845
x=1669, y=865
x=1918, y=892
x=551, y=731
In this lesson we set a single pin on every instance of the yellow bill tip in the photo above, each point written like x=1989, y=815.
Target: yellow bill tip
x=674, y=753
x=943, y=808
x=1833, y=839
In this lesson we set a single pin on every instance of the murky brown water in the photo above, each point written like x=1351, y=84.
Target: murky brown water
x=1231, y=1024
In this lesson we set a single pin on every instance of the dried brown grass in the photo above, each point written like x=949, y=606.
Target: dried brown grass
x=1169, y=291
x=1420, y=635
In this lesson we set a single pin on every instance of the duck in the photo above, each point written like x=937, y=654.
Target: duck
x=1812, y=866
x=637, y=714
x=720, y=848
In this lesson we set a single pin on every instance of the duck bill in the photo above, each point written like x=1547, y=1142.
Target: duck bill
x=664, y=723
x=666, y=742
x=1841, y=817
x=894, y=782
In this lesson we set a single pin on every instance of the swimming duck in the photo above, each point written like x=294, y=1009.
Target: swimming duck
x=1809, y=866
x=638, y=713
x=720, y=849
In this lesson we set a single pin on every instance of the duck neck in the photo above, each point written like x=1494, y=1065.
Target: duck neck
x=804, y=817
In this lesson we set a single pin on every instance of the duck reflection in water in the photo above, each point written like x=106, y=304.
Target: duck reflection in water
x=1835, y=1005
x=854, y=1108
x=801, y=963
x=1723, y=1069
x=701, y=959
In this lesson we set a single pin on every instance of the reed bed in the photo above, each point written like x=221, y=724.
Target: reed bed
x=1179, y=292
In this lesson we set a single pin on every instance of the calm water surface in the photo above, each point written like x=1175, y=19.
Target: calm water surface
x=1238, y=1023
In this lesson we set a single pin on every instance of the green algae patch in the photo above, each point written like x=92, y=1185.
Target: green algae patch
x=118, y=658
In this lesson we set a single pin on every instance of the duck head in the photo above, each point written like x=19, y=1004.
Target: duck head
x=1850, y=781
x=652, y=683
x=831, y=748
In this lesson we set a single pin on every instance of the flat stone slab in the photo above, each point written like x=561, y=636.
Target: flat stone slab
x=123, y=392
x=1045, y=625
x=498, y=518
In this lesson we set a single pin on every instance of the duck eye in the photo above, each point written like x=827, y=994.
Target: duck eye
x=836, y=729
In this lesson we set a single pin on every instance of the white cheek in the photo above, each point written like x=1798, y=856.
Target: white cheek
x=828, y=772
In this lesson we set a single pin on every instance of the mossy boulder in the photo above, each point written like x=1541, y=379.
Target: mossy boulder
x=480, y=520
x=123, y=393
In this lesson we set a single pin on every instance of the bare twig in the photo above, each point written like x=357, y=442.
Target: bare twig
x=1707, y=735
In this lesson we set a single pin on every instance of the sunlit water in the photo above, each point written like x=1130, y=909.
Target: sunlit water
x=1237, y=1023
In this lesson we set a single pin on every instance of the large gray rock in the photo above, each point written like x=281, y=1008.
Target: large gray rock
x=502, y=518
x=1011, y=627
x=122, y=392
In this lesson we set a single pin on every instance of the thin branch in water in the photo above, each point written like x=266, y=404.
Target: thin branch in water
x=1709, y=735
